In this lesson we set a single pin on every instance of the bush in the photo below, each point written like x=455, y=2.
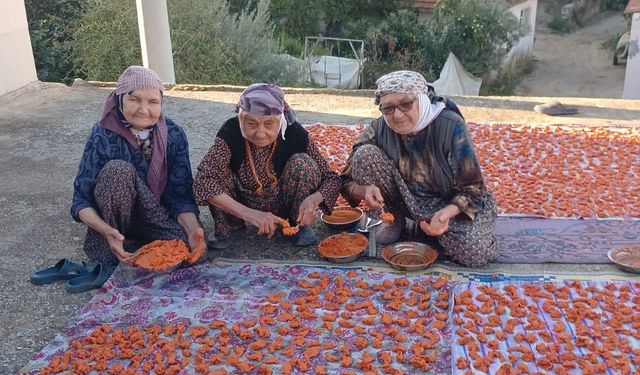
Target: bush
x=292, y=46
x=394, y=45
x=560, y=25
x=107, y=41
x=51, y=27
x=480, y=33
x=508, y=76
x=210, y=43
x=614, y=4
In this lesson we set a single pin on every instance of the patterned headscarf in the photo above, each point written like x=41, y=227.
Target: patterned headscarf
x=138, y=78
x=409, y=82
x=266, y=100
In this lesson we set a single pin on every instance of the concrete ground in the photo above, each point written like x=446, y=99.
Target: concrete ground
x=42, y=132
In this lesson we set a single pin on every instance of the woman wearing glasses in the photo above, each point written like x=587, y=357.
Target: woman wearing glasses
x=417, y=161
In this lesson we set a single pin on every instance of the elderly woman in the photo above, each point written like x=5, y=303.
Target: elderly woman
x=262, y=168
x=134, y=179
x=417, y=161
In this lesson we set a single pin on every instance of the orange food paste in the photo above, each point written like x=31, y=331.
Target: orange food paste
x=387, y=217
x=341, y=216
x=161, y=255
x=343, y=244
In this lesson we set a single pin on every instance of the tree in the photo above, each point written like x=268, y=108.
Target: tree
x=51, y=28
x=479, y=32
x=210, y=43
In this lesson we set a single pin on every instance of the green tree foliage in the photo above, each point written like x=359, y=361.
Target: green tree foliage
x=51, y=27
x=298, y=18
x=479, y=32
x=333, y=18
x=394, y=45
x=108, y=40
x=210, y=43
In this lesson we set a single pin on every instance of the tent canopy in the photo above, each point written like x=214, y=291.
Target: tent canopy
x=455, y=80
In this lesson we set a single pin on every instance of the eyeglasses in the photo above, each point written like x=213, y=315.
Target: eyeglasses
x=403, y=107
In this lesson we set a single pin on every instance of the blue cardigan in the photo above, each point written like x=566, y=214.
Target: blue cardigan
x=104, y=145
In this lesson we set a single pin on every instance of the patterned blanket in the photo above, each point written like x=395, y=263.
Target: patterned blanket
x=252, y=318
x=267, y=318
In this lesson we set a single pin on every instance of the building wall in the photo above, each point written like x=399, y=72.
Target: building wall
x=526, y=12
x=632, y=74
x=17, y=67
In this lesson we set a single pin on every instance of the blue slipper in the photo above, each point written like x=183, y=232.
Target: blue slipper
x=63, y=270
x=91, y=280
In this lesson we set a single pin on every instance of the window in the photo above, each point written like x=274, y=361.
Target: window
x=525, y=19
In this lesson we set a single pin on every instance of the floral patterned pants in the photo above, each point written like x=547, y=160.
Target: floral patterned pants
x=300, y=178
x=126, y=203
x=469, y=242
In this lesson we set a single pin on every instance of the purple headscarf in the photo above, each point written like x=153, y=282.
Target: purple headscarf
x=266, y=99
x=138, y=78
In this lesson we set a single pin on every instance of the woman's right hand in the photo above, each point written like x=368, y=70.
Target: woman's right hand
x=266, y=222
x=116, y=243
x=373, y=197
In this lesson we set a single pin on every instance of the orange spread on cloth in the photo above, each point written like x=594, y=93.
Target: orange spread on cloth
x=161, y=255
x=387, y=217
x=341, y=216
x=343, y=244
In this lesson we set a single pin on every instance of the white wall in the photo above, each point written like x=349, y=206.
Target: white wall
x=17, y=67
x=632, y=74
x=525, y=44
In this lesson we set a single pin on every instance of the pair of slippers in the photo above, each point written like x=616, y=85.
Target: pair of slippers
x=81, y=276
x=555, y=108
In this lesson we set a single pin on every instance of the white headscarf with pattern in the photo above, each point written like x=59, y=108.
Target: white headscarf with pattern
x=410, y=82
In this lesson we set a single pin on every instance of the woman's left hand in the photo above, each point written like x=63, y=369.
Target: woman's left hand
x=439, y=221
x=194, y=239
x=307, y=209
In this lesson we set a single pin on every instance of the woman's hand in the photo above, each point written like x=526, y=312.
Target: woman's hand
x=440, y=221
x=114, y=238
x=308, y=208
x=195, y=237
x=373, y=197
x=191, y=225
x=266, y=222
x=116, y=243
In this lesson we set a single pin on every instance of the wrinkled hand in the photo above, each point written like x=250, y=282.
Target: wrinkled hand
x=373, y=197
x=194, y=239
x=306, y=212
x=440, y=221
x=266, y=222
x=116, y=244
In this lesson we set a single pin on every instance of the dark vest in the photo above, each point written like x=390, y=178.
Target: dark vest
x=296, y=141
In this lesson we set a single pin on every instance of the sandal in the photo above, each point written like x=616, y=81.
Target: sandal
x=63, y=270
x=91, y=280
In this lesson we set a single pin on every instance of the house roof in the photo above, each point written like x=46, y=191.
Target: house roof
x=633, y=7
x=424, y=4
x=429, y=4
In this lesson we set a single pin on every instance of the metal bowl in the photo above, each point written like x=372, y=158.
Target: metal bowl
x=347, y=239
x=332, y=221
x=409, y=256
x=627, y=258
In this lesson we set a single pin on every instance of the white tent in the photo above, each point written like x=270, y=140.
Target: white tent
x=455, y=80
x=335, y=72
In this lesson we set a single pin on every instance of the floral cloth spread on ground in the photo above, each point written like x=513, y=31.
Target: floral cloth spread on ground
x=571, y=327
x=266, y=318
x=253, y=318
